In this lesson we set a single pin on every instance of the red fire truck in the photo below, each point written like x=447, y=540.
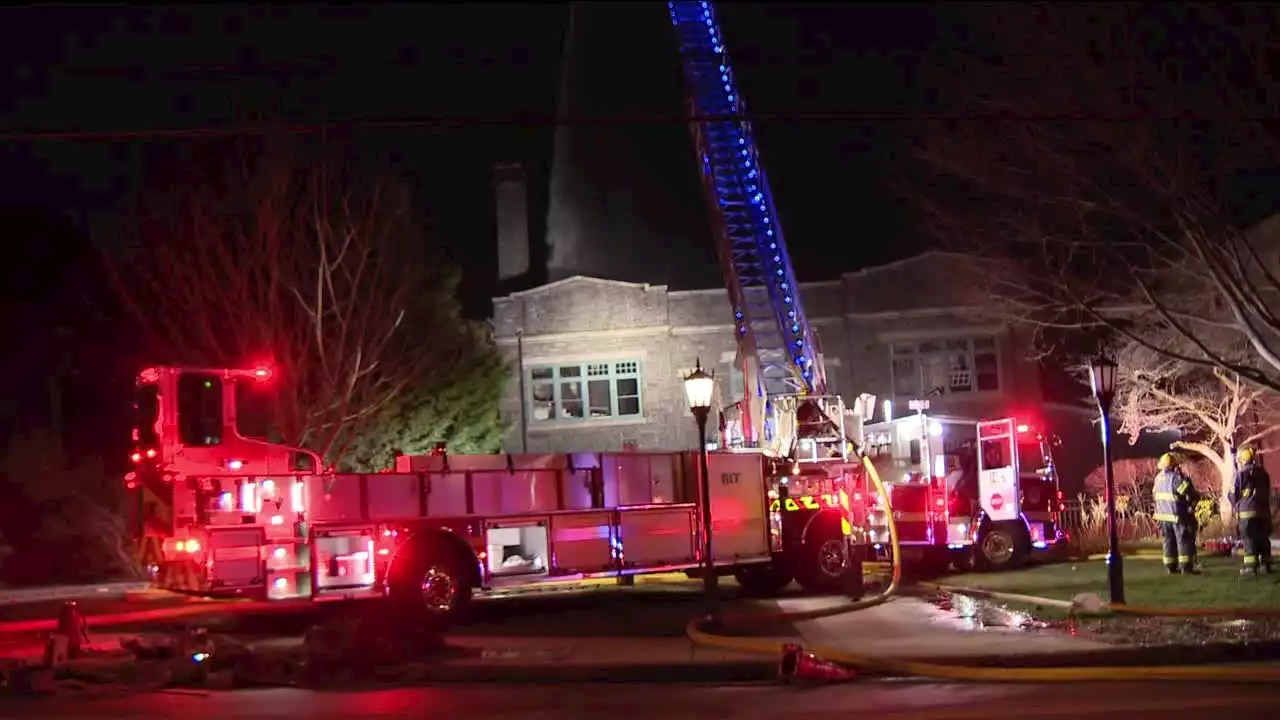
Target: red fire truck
x=229, y=515
x=964, y=492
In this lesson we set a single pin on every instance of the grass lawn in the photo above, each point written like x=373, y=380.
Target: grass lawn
x=1146, y=583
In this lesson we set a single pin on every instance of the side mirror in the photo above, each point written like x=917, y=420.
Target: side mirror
x=303, y=462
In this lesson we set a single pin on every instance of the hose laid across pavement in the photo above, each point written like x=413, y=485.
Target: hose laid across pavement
x=761, y=646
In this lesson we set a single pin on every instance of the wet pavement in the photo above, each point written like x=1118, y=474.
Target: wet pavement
x=882, y=700
x=918, y=628
x=973, y=613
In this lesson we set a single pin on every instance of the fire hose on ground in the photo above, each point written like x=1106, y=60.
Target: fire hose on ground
x=699, y=633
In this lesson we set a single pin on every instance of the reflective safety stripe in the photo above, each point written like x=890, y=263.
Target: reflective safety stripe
x=845, y=527
x=1250, y=559
x=806, y=502
x=1182, y=487
x=1246, y=514
x=1168, y=560
x=1184, y=558
x=1165, y=496
x=1165, y=517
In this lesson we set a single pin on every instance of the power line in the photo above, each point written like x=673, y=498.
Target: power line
x=474, y=121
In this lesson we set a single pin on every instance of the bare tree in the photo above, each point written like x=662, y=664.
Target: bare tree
x=290, y=256
x=1089, y=162
x=1212, y=409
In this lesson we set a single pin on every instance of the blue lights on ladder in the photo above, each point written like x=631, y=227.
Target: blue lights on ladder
x=762, y=286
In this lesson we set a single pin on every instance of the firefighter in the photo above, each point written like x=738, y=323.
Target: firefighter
x=1250, y=497
x=1176, y=498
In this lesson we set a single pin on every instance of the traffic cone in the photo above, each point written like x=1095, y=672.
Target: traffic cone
x=800, y=665
x=74, y=626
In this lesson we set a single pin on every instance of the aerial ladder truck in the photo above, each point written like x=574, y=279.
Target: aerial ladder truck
x=230, y=515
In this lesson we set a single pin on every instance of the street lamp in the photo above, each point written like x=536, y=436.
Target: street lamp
x=699, y=386
x=1102, y=375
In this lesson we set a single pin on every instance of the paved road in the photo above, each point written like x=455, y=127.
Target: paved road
x=882, y=700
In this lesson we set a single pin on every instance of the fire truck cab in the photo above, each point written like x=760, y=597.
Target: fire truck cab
x=236, y=516
x=964, y=492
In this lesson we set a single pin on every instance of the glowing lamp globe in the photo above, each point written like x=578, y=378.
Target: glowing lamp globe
x=1102, y=376
x=699, y=386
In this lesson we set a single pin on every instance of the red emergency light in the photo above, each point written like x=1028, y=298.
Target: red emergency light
x=262, y=373
x=1023, y=427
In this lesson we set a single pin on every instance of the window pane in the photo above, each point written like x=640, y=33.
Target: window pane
x=629, y=367
x=960, y=375
x=199, y=409
x=628, y=406
x=543, y=405
x=935, y=371
x=987, y=371
x=600, y=398
x=903, y=349
x=571, y=371
x=984, y=343
x=540, y=373
x=147, y=413
x=995, y=454
x=930, y=346
x=628, y=390
x=571, y=398
x=906, y=377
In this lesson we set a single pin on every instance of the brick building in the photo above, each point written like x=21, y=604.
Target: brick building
x=602, y=361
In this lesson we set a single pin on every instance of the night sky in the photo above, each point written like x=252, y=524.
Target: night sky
x=127, y=71
x=83, y=92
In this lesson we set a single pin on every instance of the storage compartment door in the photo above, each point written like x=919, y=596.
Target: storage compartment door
x=235, y=558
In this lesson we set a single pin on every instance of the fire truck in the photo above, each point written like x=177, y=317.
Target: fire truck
x=964, y=492
x=232, y=515
x=248, y=516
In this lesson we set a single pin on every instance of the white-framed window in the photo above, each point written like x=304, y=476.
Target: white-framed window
x=949, y=365
x=585, y=391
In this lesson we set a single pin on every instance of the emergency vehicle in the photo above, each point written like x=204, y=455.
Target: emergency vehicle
x=964, y=492
x=236, y=516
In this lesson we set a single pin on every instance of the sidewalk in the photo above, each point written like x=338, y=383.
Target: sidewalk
x=908, y=627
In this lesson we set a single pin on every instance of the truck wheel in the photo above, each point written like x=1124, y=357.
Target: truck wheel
x=998, y=549
x=762, y=580
x=435, y=583
x=826, y=563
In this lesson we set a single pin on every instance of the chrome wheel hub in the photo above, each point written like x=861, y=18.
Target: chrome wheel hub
x=438, y=590
x=832, y=557
x=997, y=547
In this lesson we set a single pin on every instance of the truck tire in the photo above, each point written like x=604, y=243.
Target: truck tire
x=998, y=548
x=826, y=562
x=433, y=584
x=763, y=579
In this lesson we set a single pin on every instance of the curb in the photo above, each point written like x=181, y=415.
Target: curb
x=740, y=671
x=761, y=671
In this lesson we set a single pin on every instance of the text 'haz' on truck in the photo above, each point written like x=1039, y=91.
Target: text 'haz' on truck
x=222, y=514
x=964, y=492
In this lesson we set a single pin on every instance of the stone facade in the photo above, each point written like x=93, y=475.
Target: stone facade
x=895, y=331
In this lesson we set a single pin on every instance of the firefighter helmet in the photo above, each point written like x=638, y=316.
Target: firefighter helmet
x=1245, y=455
x=1169, y=460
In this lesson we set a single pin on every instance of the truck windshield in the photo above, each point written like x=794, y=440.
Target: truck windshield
x=146, y=412
x=199, y=409
x=255, y=412
x=1031, y=456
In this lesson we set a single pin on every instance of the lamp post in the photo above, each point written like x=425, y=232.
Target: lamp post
x=1102, y=375
x=699, y=386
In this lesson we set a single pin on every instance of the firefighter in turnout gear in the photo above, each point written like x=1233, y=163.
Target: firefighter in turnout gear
x=1250, y=497
x=1176, y=498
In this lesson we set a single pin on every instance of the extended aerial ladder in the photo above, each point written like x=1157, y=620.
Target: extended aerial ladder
x=785, y=381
